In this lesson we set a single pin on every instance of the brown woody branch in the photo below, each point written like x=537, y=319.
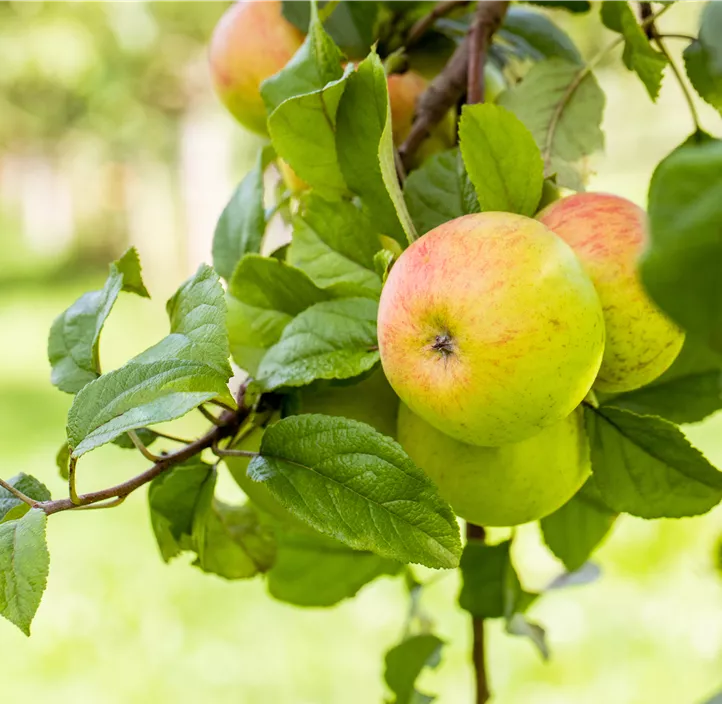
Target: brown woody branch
x=229, y=424
x=427, y=21
x=478, y=652
x=451, y=84
x=487, y=20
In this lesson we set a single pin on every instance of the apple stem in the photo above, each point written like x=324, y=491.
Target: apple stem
x=478, y=652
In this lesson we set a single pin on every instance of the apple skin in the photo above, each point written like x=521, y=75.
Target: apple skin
x=608, y=234
x=507, y=485
x=489, y=328
x=370, y=401
x=251, y=42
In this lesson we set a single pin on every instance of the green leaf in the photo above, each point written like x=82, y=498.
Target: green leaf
x=717, y=699
x=680, y=266
x=366, y=152
x=501, y=158
x=242, y=224
x=24, y=565
x=75, y=333
x=350, y=482
x=435, y=192
x=702, y=75
x=11, y=507
x=236, y=545
x=172, y=498
x=329, y=340
x=645, y=466
x=536, y=36
x=490, y=588
x=562, y=105
x=303, y=131
x=183, y=370
x=639, y=56
x=315, y=64
x=314, y=570
x=689, y=391
x=352, y=25
x=264, y=295
x=404, y=663
x=575, y=530
x=335, y=244
x=575, y=6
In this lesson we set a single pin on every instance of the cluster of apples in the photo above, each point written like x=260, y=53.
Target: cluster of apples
x=253, y=41
x=494, y=327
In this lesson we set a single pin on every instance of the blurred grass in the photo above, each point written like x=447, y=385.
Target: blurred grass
x=118, y=626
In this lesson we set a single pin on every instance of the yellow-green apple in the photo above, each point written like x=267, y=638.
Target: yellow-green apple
x=608, y=234
x=370, y=401
x=501, y=486
x=251, y=42
x=490, y=329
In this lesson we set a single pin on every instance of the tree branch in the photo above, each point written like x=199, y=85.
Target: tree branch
x=18, y=494
x=229, y=424
x=448, y=87
x=423, y=25
x=488, y=19
x=478, y=653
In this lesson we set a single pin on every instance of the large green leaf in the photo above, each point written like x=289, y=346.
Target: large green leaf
x=335, y=244
x=435, y=191
x=75, y=333
x=303, y=130
x=680, y=267
x=11, y=507
x=703, y=58
x=501, y=158
x=639, y=56
x=264, y=295
x=312, y=569
x=315, y=64
x=689, y=391
x=329, y=340
x=575, y=6
x=561, y=104
x=242, y=224
x=404, y=663
x=366, y=152
x=645, y=466
x=183, y=370
x=575, y=530
x=350, y=482
x=172, y=499
x=24, y=564
x=535, y=36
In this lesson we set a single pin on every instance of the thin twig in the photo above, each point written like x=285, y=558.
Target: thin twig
x=108, y=504
x=421, y=26
x=18, y=494
x=72, y=491
x=141, y=447
x=478, y=654
x=686, y=37
x=487, y=20
x=209, y=416
x=172, y=438
x=222, y=405
x=230, y=424
x=223, y=452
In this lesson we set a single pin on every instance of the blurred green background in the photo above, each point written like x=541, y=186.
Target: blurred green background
x=110, y=136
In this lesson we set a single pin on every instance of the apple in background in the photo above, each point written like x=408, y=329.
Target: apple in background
x=251, y=42
x=501, y=486
x=489, y=328
x=608, y=234
x=370, y=401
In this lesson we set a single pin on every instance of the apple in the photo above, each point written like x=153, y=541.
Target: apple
x=501, y=486
x=608, y=234
x=251, y=42
x=370, y=401
x=490, y=329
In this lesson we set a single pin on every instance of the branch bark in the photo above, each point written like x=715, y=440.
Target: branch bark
x=478, y=652
x=426, y=22
x=230, y=422
x=488, y=19
x=451, y=84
